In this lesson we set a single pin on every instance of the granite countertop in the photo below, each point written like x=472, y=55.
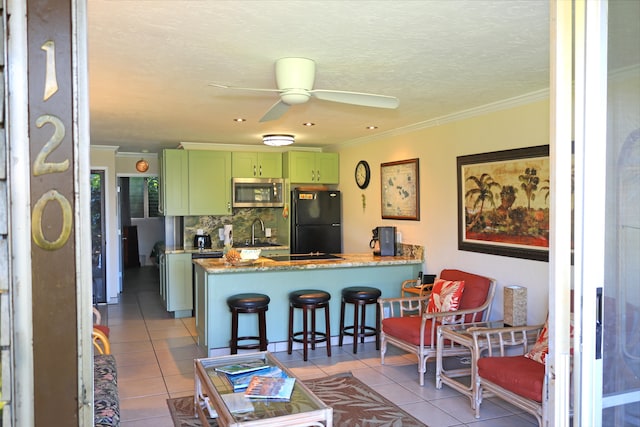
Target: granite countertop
x=190, y=250
x=219, y=266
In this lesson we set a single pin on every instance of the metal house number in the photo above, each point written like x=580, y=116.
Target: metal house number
x=42, y=167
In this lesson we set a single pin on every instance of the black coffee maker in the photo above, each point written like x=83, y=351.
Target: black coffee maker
x=383, y=241
x=202, y=240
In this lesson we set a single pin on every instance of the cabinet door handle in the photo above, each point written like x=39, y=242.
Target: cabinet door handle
x=313, y=175
x=318, y=175
x=254, y=170
x=260, y=170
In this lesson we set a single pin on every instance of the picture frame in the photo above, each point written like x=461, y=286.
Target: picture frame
x=503, y=203
x=400, y=189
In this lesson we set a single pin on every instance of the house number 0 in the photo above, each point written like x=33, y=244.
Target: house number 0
x=42, y=167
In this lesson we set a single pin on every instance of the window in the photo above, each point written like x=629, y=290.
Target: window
x=143, y=197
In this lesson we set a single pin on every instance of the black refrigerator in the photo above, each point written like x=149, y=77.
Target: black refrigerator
x=315, y=221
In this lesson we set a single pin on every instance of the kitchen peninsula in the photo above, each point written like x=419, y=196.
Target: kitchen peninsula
x=215, y=281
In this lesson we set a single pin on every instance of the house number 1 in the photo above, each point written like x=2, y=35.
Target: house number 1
x=42, y=167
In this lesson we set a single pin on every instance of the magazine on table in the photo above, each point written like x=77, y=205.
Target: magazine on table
x=241, y=381
x=240, y=368
x=270, y=388
x=236, y=403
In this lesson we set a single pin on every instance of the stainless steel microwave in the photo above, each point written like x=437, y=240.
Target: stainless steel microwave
x=258, y=192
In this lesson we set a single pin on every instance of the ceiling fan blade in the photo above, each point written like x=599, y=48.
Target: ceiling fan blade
x=357, y=98
x=275, y=112
x=243, y=88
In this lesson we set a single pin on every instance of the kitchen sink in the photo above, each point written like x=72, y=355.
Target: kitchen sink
x=304, y=257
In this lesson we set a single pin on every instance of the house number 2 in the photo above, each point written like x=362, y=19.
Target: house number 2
x=42, y=167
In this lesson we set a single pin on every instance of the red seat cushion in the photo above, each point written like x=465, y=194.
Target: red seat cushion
x=476, y=289
x=102, y=328
x=515, y=373
x=408, y=329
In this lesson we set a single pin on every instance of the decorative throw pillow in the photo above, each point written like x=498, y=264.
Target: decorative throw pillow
x=445, y=296
x=541, y=347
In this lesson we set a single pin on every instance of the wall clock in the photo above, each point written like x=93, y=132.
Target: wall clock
x=363, y=174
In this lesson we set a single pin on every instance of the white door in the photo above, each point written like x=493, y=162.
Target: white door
x=607, y=206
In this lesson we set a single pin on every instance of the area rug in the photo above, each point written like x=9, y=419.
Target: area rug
x=354, y=404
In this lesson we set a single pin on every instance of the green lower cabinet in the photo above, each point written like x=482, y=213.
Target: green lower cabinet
x=178, y=284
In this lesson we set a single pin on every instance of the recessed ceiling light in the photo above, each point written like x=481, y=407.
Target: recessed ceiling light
x=371, y=127
x=239, y=119
x=308, y=124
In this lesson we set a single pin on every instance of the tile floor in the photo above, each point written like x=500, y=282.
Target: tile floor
x=155, y=353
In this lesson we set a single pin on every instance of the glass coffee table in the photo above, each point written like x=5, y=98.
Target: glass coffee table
x=213, y=390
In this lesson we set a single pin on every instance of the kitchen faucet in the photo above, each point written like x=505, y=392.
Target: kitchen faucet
x=253, y=232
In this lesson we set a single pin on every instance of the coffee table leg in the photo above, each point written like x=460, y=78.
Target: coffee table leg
x=439, y=359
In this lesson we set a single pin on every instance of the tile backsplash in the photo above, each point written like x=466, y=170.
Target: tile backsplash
x=241, y=221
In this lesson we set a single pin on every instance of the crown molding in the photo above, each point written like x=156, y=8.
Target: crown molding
x=454, y=117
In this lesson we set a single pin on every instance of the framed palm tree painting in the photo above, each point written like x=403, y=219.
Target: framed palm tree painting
x=503, y=203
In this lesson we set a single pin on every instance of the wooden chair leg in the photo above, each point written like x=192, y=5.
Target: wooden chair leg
x=327, y=328
x=305, y=334
x=233, y=343
x=363, y=322
x=313, y=327
x=342, y=307
x=290, y=344
x=262, y=328
x=356, y=330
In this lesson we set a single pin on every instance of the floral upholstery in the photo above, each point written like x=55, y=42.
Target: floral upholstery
x=445, y=296
x=105, y=391
x=541, y=347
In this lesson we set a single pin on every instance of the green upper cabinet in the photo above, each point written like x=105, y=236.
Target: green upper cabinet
x=307, y=167
x=209, y=182
x=247, y=164
x=174, y=183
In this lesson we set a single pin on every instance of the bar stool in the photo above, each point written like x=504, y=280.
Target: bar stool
x=309, y=300
x=359, y=296
x=248, y=303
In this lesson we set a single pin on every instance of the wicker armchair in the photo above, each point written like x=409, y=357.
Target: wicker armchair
x=406, y=324
x=514, y=378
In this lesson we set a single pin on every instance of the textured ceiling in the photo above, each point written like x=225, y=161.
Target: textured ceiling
x=151, y=62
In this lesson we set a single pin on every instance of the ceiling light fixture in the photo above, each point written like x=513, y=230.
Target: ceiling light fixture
x=308, y=124
x=277, y=140
x=239, y=120
x=372, y=127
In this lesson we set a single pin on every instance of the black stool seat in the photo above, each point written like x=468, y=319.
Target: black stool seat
x=309, y=300
x=309, y=296
x=248, y=303
x=361, y=293
x=360, y=297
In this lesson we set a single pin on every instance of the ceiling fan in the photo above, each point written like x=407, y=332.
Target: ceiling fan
x=295, y=78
